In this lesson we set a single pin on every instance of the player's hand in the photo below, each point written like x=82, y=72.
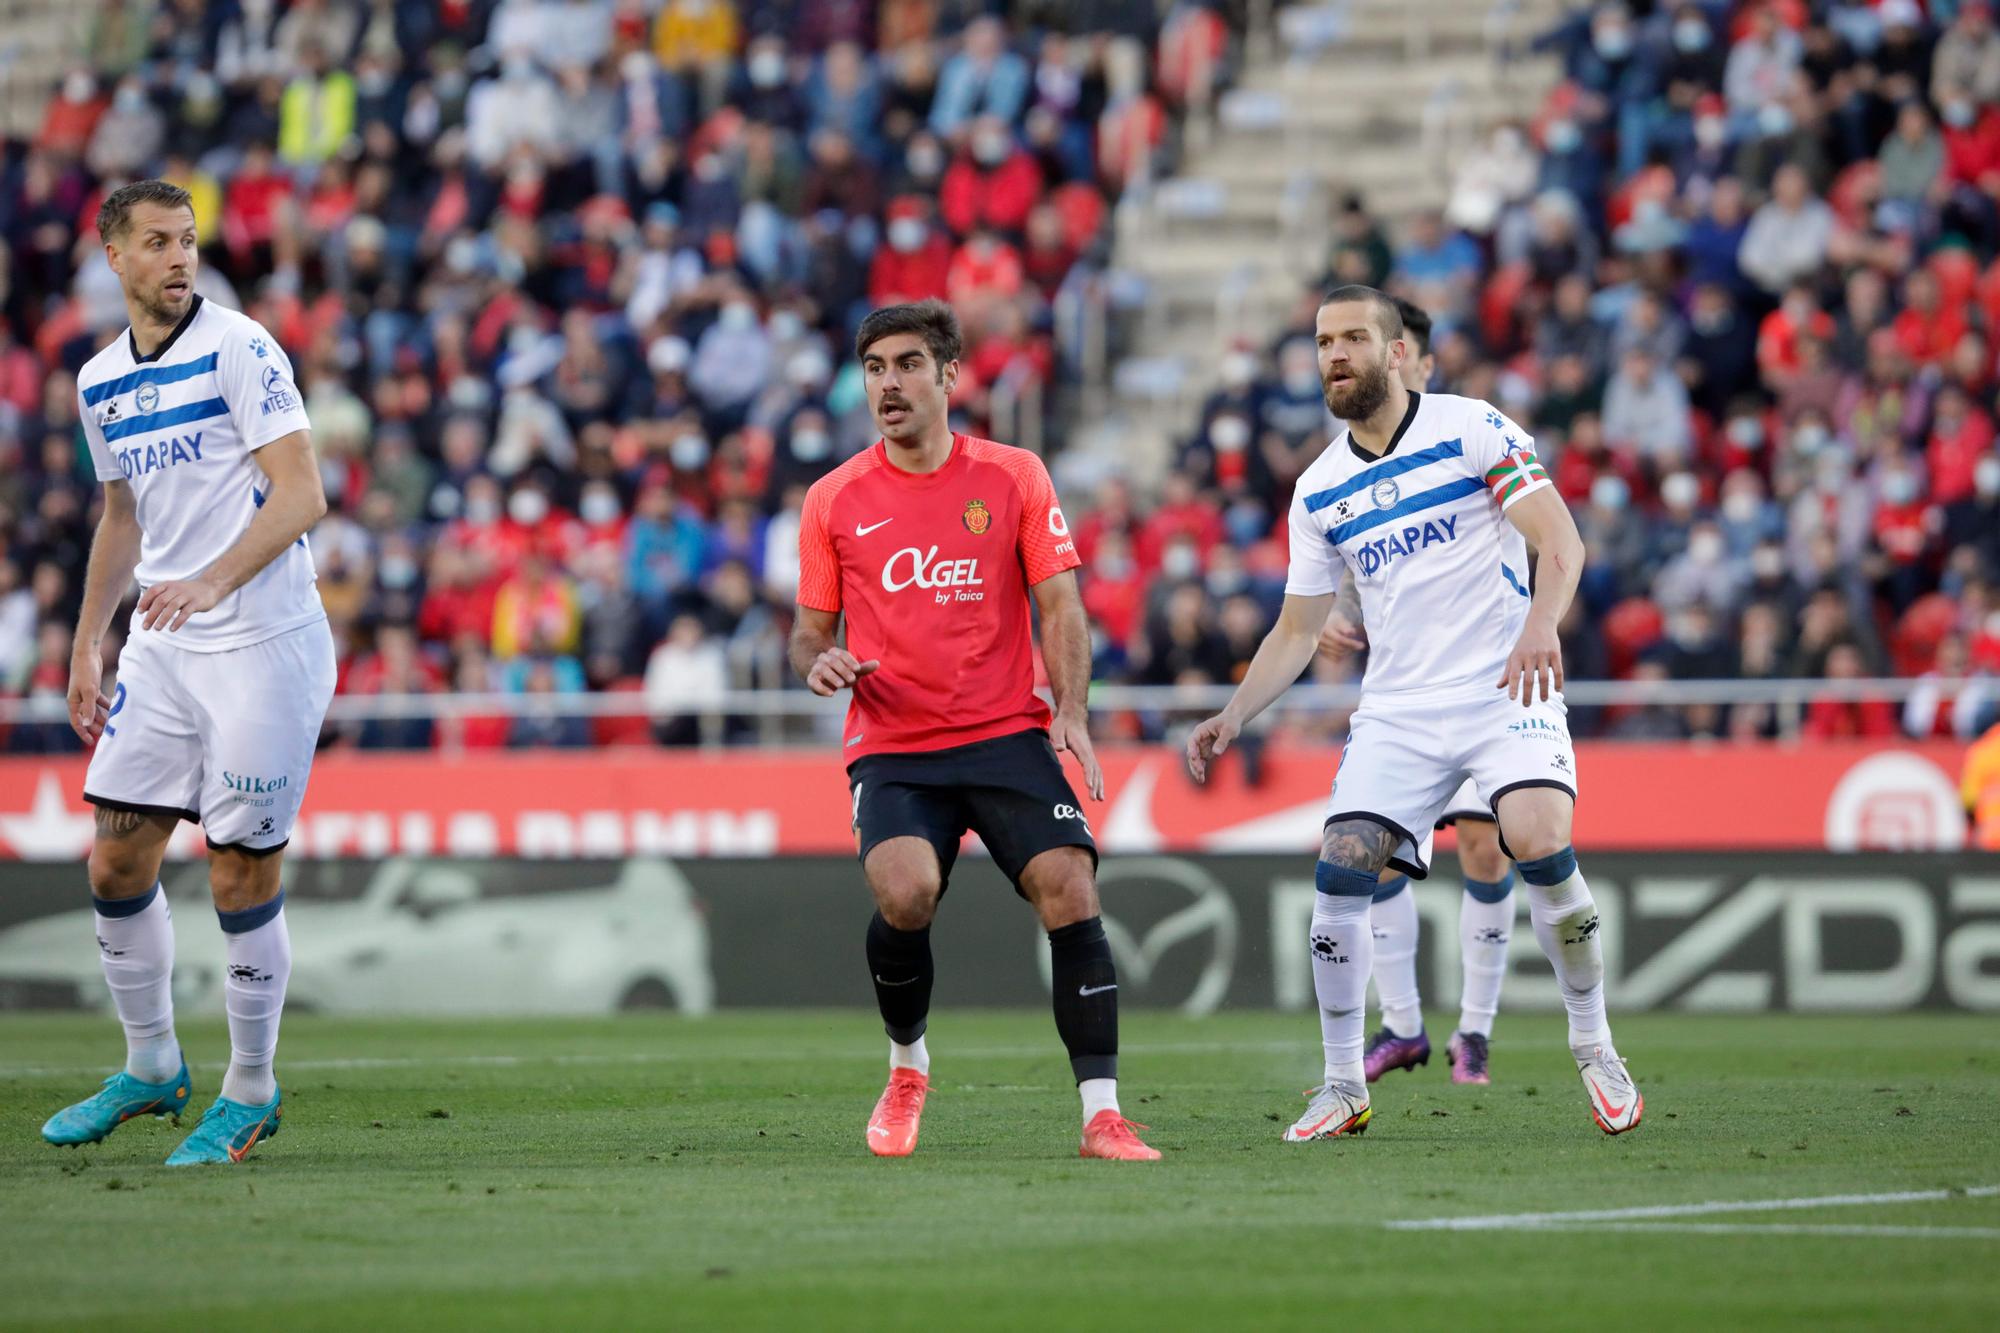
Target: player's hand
x=1537, y=659
x=1341, y=638
x=835, y=670
x=89, y=710
x=1209, y=740
x=169, y=605
x=1071, y=731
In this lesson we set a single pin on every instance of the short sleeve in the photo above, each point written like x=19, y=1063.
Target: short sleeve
x=101, y=455
x=257, y=386
x=1047, y=549
x=819, y=567
x=1504, y=454
x=1315, y=567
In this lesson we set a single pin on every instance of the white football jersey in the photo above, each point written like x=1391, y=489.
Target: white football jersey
x=180, y=426
x=1443, y=577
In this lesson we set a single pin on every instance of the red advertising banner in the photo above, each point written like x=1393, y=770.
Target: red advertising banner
x=624, y=802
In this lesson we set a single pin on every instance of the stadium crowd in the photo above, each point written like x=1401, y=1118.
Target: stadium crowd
x=570, y=285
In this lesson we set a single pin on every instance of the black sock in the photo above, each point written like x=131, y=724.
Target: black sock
x=1086, y=986
x=900, y=962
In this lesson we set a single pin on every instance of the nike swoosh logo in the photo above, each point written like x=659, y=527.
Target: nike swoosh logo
x=879, y=1129
x=904, y=982
x=860, y=531
x=1610, y=1112
x=238, y=1154
x=1096, y=990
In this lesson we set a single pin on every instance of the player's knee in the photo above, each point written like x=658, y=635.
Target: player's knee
x=1479, y=854
x=119, y=870
x=1535, y=842
x=907, y=900
x=1357, y=844
x=239, y=881
x=1062, y=884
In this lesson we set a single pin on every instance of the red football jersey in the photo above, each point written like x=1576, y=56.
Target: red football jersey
x=933, y=572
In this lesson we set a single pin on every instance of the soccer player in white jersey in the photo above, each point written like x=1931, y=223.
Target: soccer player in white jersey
x=1485, y=910
x=1427, y=498
x=210, y=484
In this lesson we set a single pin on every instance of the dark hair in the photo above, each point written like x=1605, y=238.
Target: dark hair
x=930, y=320
x=114, y=215
x=1416, y=324
x=1388, y=319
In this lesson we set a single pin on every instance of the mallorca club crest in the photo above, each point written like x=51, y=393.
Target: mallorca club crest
x=977, y=517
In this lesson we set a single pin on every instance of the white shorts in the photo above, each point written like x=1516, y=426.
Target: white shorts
x=224, y=739
x=1404, y=764
x=1465, y=804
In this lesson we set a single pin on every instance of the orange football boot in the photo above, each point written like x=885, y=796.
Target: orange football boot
x=1111, y=1136
x=892, y=1130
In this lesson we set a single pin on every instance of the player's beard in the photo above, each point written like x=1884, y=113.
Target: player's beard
x=1364, y=395
x=161, y=309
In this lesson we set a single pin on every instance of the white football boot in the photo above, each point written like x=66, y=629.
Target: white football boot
x=1615, y=1103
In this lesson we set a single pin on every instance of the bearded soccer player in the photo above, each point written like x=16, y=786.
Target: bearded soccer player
x=931, y=545
x=1431, y=500
x=210, y=484
x=1486, y=910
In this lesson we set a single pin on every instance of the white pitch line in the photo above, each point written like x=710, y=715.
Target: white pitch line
x=787, y=1054
x=1502, y=1221
x=1792, y=1229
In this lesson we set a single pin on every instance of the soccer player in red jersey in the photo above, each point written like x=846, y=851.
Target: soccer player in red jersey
x=932, y=544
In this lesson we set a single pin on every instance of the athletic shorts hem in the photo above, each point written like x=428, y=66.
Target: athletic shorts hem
x=136, y=808
x=246, y=848
x=1450, y=817
x=1505, y=850
x=1413, y=868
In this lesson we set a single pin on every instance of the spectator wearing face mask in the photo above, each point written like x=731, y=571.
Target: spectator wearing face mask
x=1971, y=133
x=1615, y=541
x=993, y=182
x=1906, y=530
x=732, y=360
x=1646, y=408
x=984, y=78
x=1973, y=520
x=1788, y=235
x=1720, y=349
x=916, y=261
x=762, y=86
x=1961, y=438
x=1760, y=67
x=1966, y=60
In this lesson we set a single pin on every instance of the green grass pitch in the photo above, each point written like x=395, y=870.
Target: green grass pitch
x=686, y=1174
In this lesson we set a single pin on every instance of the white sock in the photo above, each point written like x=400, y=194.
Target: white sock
x=915, y=1056
x=1565, y=918
x=1483, y=932
x=258, y=950
x=1099, y=1094
x=1342, y=950
x=137, y=950
x=1393, y=923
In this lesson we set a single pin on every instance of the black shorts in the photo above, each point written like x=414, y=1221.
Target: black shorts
x=1010, y=790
